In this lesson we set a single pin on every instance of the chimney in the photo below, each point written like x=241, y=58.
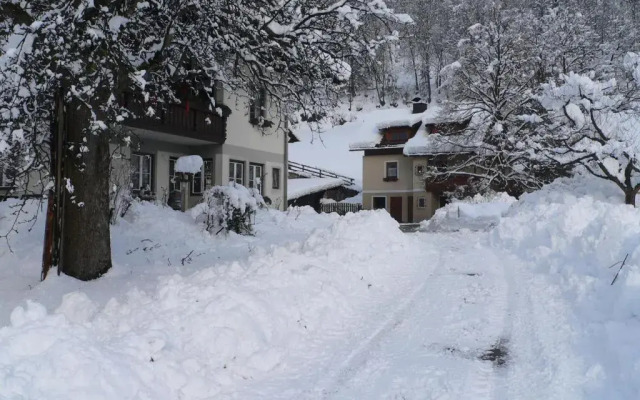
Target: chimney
x=419, y=105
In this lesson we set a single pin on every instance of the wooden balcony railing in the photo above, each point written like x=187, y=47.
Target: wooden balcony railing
x=183, y=121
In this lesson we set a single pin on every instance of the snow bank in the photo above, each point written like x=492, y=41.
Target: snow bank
x=571, y=232
x=476, y=213
x=194, y=333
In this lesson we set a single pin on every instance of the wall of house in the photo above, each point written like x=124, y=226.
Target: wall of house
x=241, y=133
x=268, y=160
x=409, y=186
x=245, y=143
x=374, y=185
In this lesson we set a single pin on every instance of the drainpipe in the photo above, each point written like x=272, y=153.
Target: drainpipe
x=285, y=173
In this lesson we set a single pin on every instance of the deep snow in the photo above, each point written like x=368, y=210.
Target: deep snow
x=327, y=307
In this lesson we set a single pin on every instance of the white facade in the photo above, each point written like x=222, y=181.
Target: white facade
x=258, y=151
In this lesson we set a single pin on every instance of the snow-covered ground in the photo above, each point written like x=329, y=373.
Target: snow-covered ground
x=326, y=307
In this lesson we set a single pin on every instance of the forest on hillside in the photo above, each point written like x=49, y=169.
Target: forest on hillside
x=545, y=38
x=545, y=86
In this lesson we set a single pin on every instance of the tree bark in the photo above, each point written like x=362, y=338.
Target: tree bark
x=630, y=197
x=86, y=241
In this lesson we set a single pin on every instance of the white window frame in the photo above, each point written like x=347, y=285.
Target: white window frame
x=202, y=177
x=373, y=198
x=253, y=167
x=233, y=167
x=397, y=169
x=174, y=183
x=137, y=186
x=424, y=200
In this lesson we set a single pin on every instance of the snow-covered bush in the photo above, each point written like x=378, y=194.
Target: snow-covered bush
x=229, y=208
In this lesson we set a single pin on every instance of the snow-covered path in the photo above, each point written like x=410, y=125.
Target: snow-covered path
x=440, y=336
x=317, y=306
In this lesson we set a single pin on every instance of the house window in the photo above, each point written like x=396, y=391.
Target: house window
x=391, y=171
x=419, y=170
x=258, y=106
x=218, y=93
x=422, y=202
x=255, y=176
x=236, y=172
x=141, y=172
x=174, y=181
x=275, y=172
x=398, y=136
x=379, y=202
x=203, y=180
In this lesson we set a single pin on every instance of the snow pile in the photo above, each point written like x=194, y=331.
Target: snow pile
x=201, y=334
x=571, y=232
x=476, y=213
x=189, y=164
x=228, y=207
x=299, y=187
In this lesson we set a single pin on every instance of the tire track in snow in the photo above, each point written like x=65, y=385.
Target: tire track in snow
x=480, y=382
x=360, y=355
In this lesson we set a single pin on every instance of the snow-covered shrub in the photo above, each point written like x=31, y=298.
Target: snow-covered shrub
x=229, y=208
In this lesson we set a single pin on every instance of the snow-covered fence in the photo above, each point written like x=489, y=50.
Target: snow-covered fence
x=340, y=208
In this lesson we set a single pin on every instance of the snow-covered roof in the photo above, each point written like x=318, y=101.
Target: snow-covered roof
x=405, y=120
x=432, y=116
x=424, y=143
x=303, y=186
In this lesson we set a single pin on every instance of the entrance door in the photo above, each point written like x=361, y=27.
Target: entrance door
x=410, y=209
x=395, y=208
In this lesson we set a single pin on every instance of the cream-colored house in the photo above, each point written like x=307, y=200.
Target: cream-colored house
x=241, y=142
x=236, y=145
x=395, y=161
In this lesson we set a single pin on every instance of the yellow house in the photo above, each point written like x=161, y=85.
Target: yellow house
x=395, y=161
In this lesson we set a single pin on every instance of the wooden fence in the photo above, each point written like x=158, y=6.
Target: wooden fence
x=340, y=208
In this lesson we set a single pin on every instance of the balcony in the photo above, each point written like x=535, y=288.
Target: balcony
x=179, y=120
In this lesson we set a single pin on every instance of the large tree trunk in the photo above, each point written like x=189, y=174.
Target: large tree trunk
x=86, y=243
x=630, y=197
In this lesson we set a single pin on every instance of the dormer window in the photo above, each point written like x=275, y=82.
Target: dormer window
x=397, y=135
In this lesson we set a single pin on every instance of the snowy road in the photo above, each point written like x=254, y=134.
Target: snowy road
x=443, y=336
